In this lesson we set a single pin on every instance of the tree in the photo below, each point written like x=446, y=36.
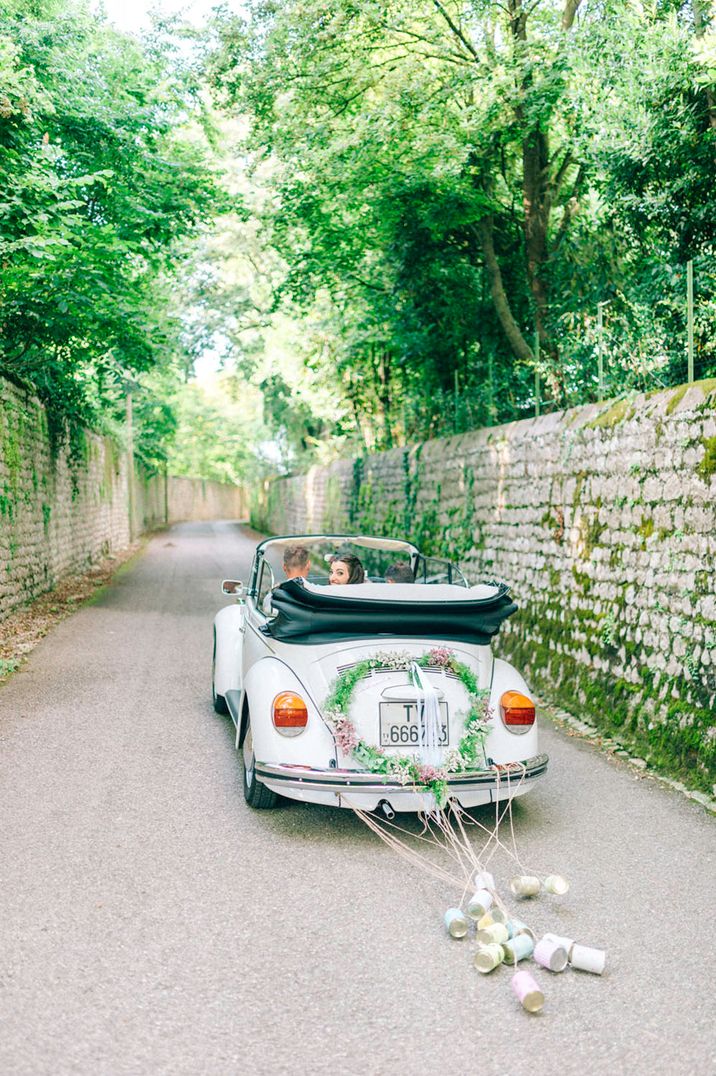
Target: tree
x=102, y=185
x=446, y=176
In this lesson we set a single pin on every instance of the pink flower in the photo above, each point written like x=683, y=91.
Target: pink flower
x=440, y=655
x=346, y=735
x=430, y=773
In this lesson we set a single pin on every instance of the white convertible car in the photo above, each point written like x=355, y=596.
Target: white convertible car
x=378, y=694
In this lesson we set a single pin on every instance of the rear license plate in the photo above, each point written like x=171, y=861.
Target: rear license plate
x=399, y=725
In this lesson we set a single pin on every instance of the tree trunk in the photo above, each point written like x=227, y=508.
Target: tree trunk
x=535, y=182
x=519, y=345
x=385, y=396
x=535, y=192
x=700, y=25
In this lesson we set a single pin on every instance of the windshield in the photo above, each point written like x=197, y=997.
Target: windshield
x=382, y=561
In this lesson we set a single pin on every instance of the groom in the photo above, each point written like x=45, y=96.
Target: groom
x=296, y=562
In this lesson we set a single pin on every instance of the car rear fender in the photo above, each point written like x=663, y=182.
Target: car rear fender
x=503, y=745
x=314, y=746
x=229, y=629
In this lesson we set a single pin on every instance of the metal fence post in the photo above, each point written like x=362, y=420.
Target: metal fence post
x=130, y=465
x=537, y=378
x=457, y=396
x=600, y=346
x=690, y=318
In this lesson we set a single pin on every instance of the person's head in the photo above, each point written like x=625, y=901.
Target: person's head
x=345, y=568
x=296, y=561
x=401, y=572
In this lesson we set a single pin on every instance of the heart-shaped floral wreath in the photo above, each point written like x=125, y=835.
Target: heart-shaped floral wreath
x=407, y=769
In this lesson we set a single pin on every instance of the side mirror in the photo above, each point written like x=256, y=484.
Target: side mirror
x=233, y=587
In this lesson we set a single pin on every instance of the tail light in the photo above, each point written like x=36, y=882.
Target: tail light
x=289, y=713
x=518, y=712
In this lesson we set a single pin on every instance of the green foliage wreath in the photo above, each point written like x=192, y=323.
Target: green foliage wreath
x=407, y=769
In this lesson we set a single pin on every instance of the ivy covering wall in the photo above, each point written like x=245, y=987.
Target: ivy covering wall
x=62, y=508
x=602, y=519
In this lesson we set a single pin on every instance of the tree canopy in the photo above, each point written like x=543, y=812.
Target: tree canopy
x=386, y=218
x=105, y=181
x=453, y=186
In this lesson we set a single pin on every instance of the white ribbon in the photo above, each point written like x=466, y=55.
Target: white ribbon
x=428, y=717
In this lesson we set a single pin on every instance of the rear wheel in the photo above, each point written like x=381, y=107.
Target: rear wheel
x=256, y=793
x=218, y=700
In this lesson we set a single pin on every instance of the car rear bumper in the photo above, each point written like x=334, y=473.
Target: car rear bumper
x=358, y=788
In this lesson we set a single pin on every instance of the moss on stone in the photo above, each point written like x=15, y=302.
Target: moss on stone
x=645, y=530
x=355, y=491
x=583, y=581
x=615, y=556
x=593, y=535
x=621, y=411
x=702, y=582
x=676, y=398
x=677, y=741
x=707, y=386
x=11, y=453
x=707, y=467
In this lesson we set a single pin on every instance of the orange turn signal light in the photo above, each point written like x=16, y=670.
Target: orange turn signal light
x=518, y=712
x=289, y=713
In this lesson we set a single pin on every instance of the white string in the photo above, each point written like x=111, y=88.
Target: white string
x=404, y=850
x=445, y=830
x=428, y=717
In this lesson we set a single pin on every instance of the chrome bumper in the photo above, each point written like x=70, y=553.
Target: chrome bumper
x=315, y=780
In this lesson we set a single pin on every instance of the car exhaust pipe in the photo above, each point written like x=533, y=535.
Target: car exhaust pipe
x=387, y=810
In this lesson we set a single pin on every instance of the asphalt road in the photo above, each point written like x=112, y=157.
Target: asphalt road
x=152, y=923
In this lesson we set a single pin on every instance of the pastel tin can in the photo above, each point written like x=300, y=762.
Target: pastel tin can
x=495, y=915
x=525, y=885
x=550, y=954
x=516, y=926
x=483, y=880
x=495, y=934
x=456, y=923
x=518, y=948
x=566, y=943
x=488, y=957
x=527, y=991
x=584, y=958
x=555, y=883
x=479, y=904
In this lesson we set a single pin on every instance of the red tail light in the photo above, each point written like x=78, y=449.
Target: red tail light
x=290, y=714
x=518, y=712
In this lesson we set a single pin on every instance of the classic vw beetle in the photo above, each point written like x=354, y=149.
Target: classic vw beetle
x=329, y=686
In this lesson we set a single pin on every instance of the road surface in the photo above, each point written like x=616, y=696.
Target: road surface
x=152, y=923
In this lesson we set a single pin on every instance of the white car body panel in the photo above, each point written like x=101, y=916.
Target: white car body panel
x=229, y=625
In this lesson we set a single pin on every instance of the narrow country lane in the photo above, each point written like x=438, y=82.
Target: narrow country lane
x=152, y=923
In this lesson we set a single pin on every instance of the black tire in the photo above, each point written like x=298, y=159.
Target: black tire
x=256, y=794
x=218, y=700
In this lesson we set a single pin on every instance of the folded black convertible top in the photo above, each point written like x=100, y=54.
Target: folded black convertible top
x=304, y=616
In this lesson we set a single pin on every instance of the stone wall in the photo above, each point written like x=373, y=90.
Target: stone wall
x=195, y=499
x=60, y=512
x=603, y=520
